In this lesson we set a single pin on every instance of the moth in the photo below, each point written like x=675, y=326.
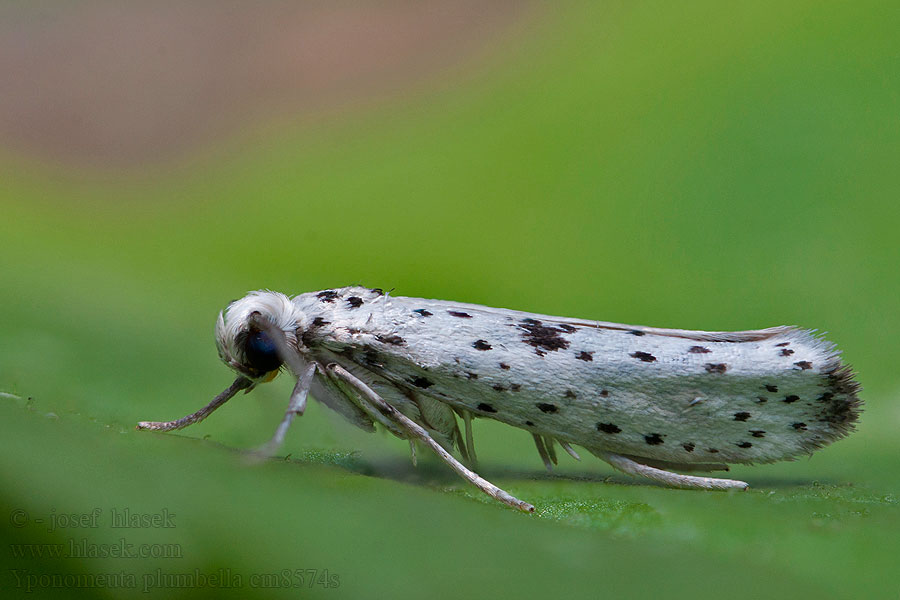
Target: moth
x=651, y=402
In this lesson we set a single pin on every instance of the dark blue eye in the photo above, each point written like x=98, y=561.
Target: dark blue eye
x=260, y=352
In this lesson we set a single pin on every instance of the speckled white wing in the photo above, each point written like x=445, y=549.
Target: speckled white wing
x=669, y=395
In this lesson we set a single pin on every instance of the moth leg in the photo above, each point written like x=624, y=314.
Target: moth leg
x=470, y=438
x=461, y=444
x=414, y=430
x=632, y=467
x=665, y=465
x=569, y=449
x=412, y=452
x=542, y=448
x=295, y=407
x=241, y=383
x=551, y=449
x=358, y=401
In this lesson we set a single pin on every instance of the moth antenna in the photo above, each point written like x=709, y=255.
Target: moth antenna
x=241, y=383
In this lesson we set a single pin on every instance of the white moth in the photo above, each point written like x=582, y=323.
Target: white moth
x=648, y=401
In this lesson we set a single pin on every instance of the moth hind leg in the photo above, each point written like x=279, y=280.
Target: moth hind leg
x=633, y=467
x=673, y=466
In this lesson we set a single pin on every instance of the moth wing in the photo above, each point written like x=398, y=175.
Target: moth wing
x=750, y=335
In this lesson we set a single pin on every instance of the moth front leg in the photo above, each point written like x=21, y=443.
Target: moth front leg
x=414, y=430
x=296, y=406
x=241, y=383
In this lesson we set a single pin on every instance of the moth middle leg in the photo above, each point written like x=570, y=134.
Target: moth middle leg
x=414, y=430
x=296, y=406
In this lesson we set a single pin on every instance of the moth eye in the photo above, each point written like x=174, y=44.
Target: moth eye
x=260, y=352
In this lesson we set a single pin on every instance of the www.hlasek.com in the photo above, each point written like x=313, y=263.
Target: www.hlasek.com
x=82, y=548
x=30, y=581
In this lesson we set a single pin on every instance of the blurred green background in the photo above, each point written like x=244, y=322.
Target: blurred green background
x=692, y=165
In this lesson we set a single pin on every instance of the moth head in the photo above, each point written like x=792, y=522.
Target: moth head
x=246, y=347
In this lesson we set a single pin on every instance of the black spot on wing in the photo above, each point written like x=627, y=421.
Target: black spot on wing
x=481, y=345
x=422, y=382
x=422, y=312
x=585, y=356
x=786, y=352
x=757, y=433
x=644, y=356
x=741, y=416
x=804, y=365
x=354, y=301
x=688, y=446
x=319, y=322
x=699, y=350
x=570, y=394
x=498, y=388
x=654, y=439
x=791, y=398
x=504, y=366
x=377, y=291
x=542, y=337
x=460, y=314
x=604, y=393
x=744, y=445
x=486, y=408
x=515, y=387
x=529, y=423
x=394, y=340
x=715, y=367
x=608, y=428
x=799, y=426
x=771, y=388
x=547, y=408
x=637, y=332
x=327, y=295
x=568, y=328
